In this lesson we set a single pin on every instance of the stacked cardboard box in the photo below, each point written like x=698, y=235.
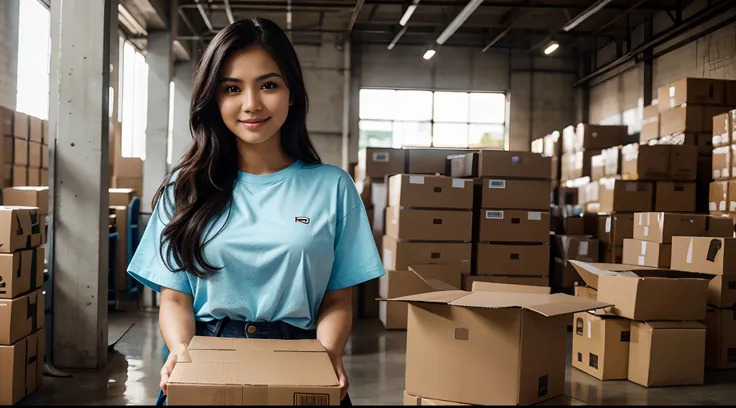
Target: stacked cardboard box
x=30, y=197
x=571, y=247
x=22, y=339
x=721, y=198
x=513, y=219
x=507, y=345
x=717, y=258
x=428, y=222
x=652, y=335
x=580, y=143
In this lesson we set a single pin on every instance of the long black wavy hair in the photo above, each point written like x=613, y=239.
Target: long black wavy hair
x=203, y=179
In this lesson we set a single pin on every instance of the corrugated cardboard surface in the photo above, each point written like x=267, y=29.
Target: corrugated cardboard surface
x=625, y=196
x=429, y=225
x=599, y=136
x=721, y=225
x=396, y=284
x=613, y=229
x=674, y=196
x=20, y=272
x=730, y=189
x=718, y=196
x=21, y=316
x=611, y=253
x=121, y=196
x=430, y=192
x=449, y=273
x=574, y=226
x=502, y=259
x=643, y=162
x=412, y=400
x=19, y=228
x=508, y=194
x=716, y=256
x=507, y=287
x=600, y=345
x=661, y=227
x=641, y=293
x=514, y=226
x=399, y=255
x=586, y=292
x=720, y=338
x=667, y=353
x=22, y=370
x=470, y=280
x=649, y=124
x=691, y=90
x=563, y=275
x=27, y=197
x=376, y=163
x=429, y=161
x=222, y=372
x=646, y=253
x=488, y=347
x=498, y=163
x=464, y=165
x=722, y=291
x=721, y=165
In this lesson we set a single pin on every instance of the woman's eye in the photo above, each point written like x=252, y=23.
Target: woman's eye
x=232, y=89
x=269, y=85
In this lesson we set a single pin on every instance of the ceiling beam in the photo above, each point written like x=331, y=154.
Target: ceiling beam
x=550, y=4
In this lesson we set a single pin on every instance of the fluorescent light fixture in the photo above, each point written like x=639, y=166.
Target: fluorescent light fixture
x=552, y=47
x=396, y=39
x=594, y=8
x=458, y=21
x=429, y=54
x=407, y=14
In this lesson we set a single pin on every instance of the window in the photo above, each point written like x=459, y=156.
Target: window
x=398, y=118
x=135, y=101
x=34, y=59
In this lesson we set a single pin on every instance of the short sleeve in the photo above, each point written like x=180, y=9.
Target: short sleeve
x=356, y=256
x=147, y=265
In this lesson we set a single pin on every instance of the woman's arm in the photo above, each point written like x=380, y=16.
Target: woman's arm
x=334, y=326
x=176, y=322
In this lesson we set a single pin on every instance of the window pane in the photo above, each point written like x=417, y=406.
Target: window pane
x=451, y=106
x=413, y=105
x=377, y=104
x=375, y=134
x=412, y=134
x=487, y=107
x=451, y=134
x=487, y=136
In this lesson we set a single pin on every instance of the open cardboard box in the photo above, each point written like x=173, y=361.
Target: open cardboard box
x=489, y=348
x=227, y=371
x=642, y=293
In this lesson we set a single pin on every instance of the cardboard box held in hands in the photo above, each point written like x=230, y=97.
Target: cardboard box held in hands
x=227, y=371
x=462, y=346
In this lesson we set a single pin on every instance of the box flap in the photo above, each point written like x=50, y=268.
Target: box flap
x=211, y=343
x=508, y=287
x=663, y=325
x=431, y=282
x=445, y=297
x=590, y=271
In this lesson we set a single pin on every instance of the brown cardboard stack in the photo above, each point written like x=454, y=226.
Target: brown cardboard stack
x=716, y=257
x=612, y=231
x=428, y=228
x=655, y=320
x=513, y=222
x=505, y=347
x=571, y=247
x=580, y=143
x=721, y=198
x=22, y=339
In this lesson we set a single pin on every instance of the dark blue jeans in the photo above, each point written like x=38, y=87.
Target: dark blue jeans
x=252, y=330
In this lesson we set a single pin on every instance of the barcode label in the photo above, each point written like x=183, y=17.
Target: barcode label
x=496, y=183
x=311, y=399
x=380, y=157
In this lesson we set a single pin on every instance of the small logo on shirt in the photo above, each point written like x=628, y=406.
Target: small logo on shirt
x=303, y=220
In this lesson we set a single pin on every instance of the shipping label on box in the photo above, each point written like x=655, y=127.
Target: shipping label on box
x=514, y=226
x=299, y=372
x=22, y=370
x=503, y=259
x=20, y=228
x=715, y=256
x=21, y=316
x=661, y=227
x=667, y=353
x=501, y=164
x=430, y=192
x=718, y=196
x=533, y=325
x=600, y=345
x=399, y=255
x=515, y=194
x=429, y=225
x=720, y=338
x=646, y=253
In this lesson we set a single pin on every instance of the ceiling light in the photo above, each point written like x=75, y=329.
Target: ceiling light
x=458, y=21
x=429, y=54
x=409, y=11
x=594, y=8
x=552, y=47
x=396, y=39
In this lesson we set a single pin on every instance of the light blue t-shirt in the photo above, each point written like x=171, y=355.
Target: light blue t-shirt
x=291, y=236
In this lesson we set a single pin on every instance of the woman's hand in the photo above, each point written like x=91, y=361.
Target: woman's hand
x=176, y=355
x=342, y=376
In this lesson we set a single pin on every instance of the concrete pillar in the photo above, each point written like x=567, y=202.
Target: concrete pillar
x=79, y=131
x=159, y=59
x=181, y=138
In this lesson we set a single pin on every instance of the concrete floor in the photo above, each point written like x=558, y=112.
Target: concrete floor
x=374, y=360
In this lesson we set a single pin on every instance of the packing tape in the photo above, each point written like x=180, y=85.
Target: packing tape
x=641, y=219
x=608, y=224
x=590, y=329
x=689, y=257
x=649, y=219
x=565, y=244
x=388, y=258
x=660, y=221
x=583, y=248
x=646, y=231
x=641, y=260
x=643, y=247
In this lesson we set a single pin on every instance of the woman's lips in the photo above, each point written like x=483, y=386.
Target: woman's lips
x=254, y=123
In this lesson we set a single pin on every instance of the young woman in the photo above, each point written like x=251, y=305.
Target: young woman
x=251, y=235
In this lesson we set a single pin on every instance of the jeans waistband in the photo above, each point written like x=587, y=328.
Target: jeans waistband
x=245, y=329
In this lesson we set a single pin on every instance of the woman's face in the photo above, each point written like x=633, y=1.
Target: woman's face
x=252, y=96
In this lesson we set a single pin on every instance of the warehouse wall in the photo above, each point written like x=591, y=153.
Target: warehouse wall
x=618, y=98
x=9, y=52
x=539, y=103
